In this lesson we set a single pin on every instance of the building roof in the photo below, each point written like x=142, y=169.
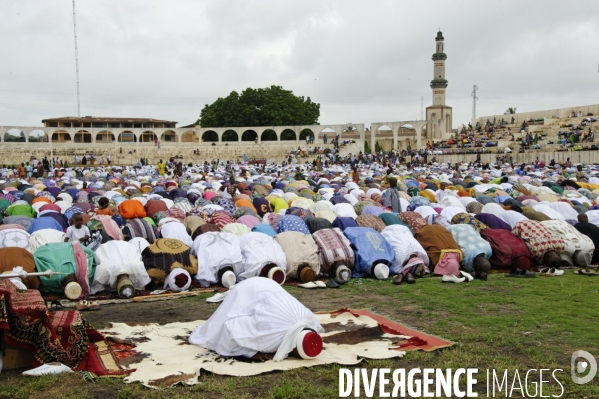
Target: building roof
x=105, y=119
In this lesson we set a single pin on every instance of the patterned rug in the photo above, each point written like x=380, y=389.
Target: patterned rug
x=163, y=357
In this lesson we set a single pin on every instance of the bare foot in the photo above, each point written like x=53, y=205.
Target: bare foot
x=262, y=357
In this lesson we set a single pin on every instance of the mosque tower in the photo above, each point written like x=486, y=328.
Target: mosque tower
x=439, y=110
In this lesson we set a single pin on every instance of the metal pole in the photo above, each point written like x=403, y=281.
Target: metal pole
x=76, y=60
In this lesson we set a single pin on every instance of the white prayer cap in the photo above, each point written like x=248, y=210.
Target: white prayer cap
x=228, y=279
x=380, y=271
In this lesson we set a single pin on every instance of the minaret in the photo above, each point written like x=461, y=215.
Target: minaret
x=439, y=111
x=439, y=83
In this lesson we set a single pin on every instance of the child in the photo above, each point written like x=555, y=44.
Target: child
x=103, y=208
x=77, y=231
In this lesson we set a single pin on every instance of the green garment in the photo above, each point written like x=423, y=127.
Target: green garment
x=278, y=203
x=21, y=210
x=59, y=257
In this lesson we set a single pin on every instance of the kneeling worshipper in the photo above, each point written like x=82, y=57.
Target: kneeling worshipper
x=544, y=245
x=336, y=255
x=219, y=258
x=262, y=256
x=374, y=255
x=258, y=319
x=579, y=248
x=169, y=260
x=590, y=230
x=475, y=250
x=119, y=267
x=509, y=252
x=443, y=252
x=411, y=260
x=301, y=253
x=12, y=257
x=72, y=258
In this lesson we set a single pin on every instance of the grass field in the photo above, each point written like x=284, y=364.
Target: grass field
x=504, y=323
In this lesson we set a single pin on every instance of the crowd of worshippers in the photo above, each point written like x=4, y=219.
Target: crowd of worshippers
x=125, y=230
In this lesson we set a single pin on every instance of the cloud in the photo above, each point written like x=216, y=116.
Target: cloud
x=362, y=62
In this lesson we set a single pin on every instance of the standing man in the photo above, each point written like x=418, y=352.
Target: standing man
x=324, y=138
x=161, y=168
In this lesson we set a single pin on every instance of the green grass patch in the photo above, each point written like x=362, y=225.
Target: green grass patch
x=504, y=323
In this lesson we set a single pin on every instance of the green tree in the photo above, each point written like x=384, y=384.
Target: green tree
x=272, y=106
x=510, y=110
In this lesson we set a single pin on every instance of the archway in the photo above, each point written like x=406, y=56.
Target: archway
x=127, y=137
x=189, y=137
x=61, y=136
x=249, y=135
x=288, y=135
x=83, y=136
x=169, y=136
x=209, y=136
x=38, y=136
x=148, y=137
x=448, y=123
x=305, y=133
x=230, y=135
x=328, y=131
x=268, y=135
x=14, y=136
x=104, y=137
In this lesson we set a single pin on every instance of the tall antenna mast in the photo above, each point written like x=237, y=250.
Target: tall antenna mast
x=421, y=108
x=474, y=100
x=76, y=60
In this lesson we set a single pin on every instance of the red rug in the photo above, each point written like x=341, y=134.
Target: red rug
x=418, y=340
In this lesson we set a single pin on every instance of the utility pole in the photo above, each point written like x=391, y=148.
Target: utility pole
x=474, y=100
x=76, y=60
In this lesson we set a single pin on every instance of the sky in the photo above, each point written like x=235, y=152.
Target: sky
x=364, y=62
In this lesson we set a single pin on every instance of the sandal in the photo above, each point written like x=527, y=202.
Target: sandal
x=94, y=305
x=520, y=273
x=549, y=272
x=82, y=305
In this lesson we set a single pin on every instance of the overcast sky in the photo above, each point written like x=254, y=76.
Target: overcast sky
x=362, y=61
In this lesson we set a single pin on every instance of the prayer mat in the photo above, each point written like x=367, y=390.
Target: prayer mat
x=163, y=356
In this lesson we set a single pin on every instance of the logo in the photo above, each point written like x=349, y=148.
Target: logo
x=580, y=363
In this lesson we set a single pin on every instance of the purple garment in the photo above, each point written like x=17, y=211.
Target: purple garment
x=372, y=210
x=53, y=190
x=492, y=221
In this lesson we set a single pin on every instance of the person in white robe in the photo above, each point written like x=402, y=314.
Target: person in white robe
x=219, y=258
x=257, y=319
x=177, y=230
x=115, y=259
x=262, y=256
x=405, y=247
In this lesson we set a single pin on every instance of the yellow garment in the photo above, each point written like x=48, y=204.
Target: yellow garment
x=278, y=203
x=161, y=168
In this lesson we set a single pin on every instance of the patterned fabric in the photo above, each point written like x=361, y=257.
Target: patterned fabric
x=338, y=200
x=471, y=244
x=464, y=218
x=226, y=204
x=412, y=219
x=139, y=228
x=221, y=219
x=272, y=219
x=538, y=238
x=166, y=254
x=183, y=204
x=333, y=247
x=175, y=213
x=474, y=207
x=292, y=223
x=63, y=336
x=299, y=212
x=371, y=221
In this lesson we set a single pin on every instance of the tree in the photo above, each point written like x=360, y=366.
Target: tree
x=510, y=110
x=272, y=106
